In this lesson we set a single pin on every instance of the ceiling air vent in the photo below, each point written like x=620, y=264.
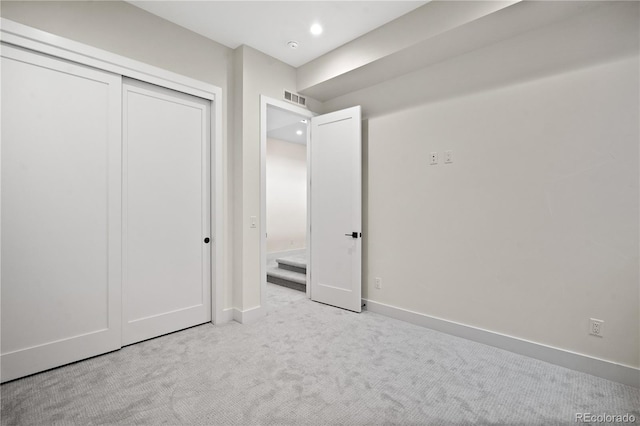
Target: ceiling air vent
x=294, y=98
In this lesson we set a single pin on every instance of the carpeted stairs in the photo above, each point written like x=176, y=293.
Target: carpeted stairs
x=289, y=271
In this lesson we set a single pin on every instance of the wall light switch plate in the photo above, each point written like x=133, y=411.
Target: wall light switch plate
x=254, y=220
x=448, y=157
x=434, y=158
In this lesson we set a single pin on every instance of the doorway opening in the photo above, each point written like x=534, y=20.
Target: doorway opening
x=284, y=202
x=333, y=251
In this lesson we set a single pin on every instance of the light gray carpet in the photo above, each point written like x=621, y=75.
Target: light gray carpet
x=299, y=259
x=307, y=363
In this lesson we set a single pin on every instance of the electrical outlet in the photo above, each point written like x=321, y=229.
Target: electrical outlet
x=434, y=158
x=378, y=283
x=596, y=327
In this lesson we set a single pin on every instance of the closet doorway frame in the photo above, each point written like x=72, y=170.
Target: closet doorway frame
x=25, y=37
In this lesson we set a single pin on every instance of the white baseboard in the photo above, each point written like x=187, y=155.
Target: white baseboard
x=249, y=315
x=243, y=317
x=227, y=315
x=597, y=367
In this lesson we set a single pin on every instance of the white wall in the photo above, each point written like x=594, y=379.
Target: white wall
x=286, y=195
x=123, y=29
x=257, y=74
x=533, y=229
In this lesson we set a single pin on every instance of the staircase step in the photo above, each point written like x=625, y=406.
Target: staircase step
x=287, y=275
x=292, y=268
x=286, y=283
x=293, y=263
x=294, y=280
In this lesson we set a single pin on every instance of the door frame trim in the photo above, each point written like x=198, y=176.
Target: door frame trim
x=264, y=102
x=23, y=36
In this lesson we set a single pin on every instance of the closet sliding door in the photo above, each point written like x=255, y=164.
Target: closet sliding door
x=60, y=212
x=166, y=211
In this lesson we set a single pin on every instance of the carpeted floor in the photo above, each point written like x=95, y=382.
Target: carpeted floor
x=308, y=363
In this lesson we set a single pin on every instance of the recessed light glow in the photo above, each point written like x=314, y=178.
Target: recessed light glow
x=316, y=29
x=299, y=133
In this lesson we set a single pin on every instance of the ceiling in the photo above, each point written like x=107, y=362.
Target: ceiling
x=284, y=125
x=269, y=25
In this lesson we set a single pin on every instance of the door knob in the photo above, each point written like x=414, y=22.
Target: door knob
x=206, y=240
x=352, y=235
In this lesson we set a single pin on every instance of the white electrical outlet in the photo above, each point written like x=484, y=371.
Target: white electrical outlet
x=378, y=283
x=596, y=327
x=434, y=158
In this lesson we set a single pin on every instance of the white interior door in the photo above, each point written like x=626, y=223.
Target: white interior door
x=336, y=209
x=61, y=229
x=166, y=248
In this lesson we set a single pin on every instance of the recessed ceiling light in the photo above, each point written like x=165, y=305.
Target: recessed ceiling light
x=299, y=132
x=293, y=44
x=316, y=29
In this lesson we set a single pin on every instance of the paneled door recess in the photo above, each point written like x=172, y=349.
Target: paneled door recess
x=166, y=211
x=61, y=213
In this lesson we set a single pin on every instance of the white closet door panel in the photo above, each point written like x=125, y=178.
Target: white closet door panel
x=61, y=232
x=167, y=283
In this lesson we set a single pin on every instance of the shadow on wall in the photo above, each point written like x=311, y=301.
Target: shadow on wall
x=365, y=210
x=598, y=36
